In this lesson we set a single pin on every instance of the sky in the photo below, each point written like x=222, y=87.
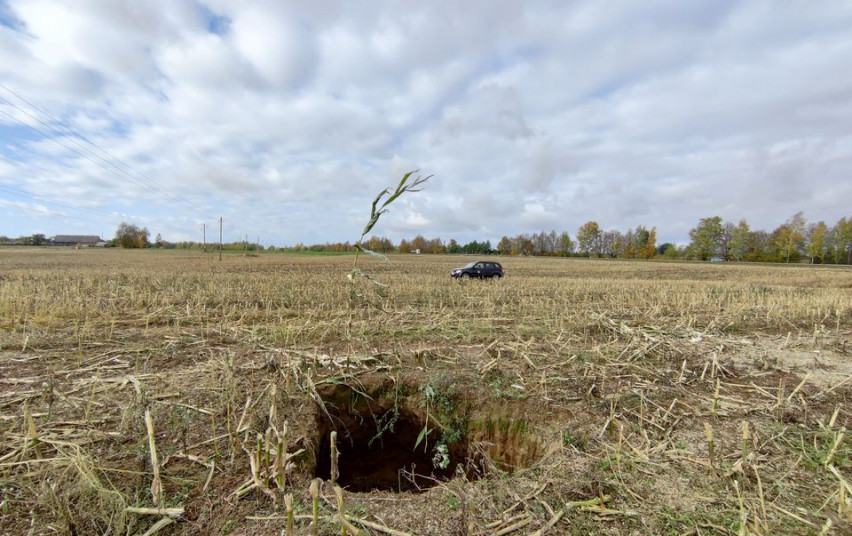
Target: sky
x=286, y=118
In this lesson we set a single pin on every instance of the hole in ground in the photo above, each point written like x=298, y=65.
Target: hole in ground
x=369, y=460
x=378, y=426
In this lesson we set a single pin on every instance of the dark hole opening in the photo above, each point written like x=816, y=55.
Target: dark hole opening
x=388, y=462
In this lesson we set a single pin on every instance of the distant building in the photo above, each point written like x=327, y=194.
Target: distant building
x=84, y=241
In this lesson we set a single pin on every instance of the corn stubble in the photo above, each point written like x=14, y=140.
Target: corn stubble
x=165, y=392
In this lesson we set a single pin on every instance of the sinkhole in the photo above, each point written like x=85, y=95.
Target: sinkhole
x=389, y=439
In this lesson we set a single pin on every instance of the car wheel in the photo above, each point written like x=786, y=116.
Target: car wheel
x=465, y=275
x=496, y=277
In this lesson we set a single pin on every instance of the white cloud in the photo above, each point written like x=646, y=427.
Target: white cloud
x=287, y=118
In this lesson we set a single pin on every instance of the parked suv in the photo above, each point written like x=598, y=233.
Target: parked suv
x=480, y=269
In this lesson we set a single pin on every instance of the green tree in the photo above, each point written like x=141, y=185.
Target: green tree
x=566, y=245
x=671, y=252
x=840, y=238
x=816, y=242
x=589, y=238
x=662, y=248
x=38, y=239
x=131, y=236
x=738, y=244
x=706, y=238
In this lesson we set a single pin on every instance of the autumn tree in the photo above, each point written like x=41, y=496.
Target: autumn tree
x=589, y=238
x=419, y=243
x=648, y=250
x=504, y=246
x=789, y=238
x=131, y=236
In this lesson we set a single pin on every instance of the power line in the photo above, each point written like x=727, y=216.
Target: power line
x=135, y=178
x=47, y=200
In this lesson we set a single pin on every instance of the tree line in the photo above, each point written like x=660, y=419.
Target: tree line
x=795, y=240
x=712, y=238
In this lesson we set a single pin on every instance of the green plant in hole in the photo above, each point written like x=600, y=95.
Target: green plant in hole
x=453, y=427
x=453, y=502
x=388, y=420
x=441, y=458
x=428, y=398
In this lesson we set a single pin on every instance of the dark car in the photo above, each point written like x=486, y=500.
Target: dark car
x=480, y=269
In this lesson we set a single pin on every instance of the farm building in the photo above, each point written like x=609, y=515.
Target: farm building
x=78, y=241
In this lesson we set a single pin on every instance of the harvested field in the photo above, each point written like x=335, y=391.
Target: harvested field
x=166, y=392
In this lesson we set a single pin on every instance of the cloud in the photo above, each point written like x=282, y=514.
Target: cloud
x=287, y=118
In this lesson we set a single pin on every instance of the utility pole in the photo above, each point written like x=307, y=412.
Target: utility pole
x=220, y=238
x=204, y=236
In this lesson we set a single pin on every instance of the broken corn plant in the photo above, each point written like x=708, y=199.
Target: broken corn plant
x=376, y=212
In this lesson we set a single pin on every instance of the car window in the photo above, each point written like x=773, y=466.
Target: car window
x=469, y=265
x=478, y=266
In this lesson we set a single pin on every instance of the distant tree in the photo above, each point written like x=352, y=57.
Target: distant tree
x=131, y=236
x=840, y=237
x=760, y=247
x=706, y=238
x=589, y=238
x=38, y=239
x=419, y=243
x=404, y=246
x=613, y=243
x=738, y=241
x=789, y=238
x=725, y=242
x=435, y=246
x=649, y=249
x=816, y=242
x=504, y=246
x=158, y=242
x=552, y=242
x=662, y=248
x=566, y=245
x=453, y=246
x=670, y=251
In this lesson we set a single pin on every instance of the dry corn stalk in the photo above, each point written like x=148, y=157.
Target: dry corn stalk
x=156, y=483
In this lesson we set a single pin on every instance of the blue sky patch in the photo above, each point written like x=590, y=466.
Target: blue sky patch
x=216, y=24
